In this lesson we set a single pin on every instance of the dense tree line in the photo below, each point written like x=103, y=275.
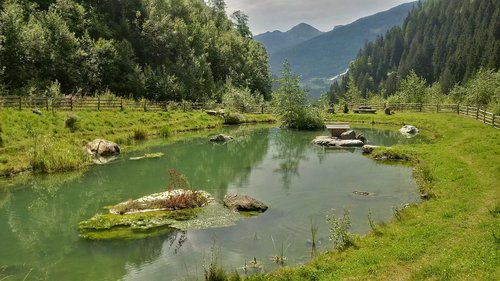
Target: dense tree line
x=443, y=42
x=157, y=49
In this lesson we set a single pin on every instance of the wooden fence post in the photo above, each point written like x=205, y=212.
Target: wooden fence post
x=493, y=120
x=477, y=112
x=121, y=104
x=71, y=104
x=421, y=105
x=458, y=109
x=484, y=116
x=98, y=103
x=20, y=103
x=437, y=108
x=47, y=103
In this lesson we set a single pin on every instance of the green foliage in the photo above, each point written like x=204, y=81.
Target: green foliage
x=412, y=89
x=162, y=50
x=484, y=89
x=234, y=118
x=441, y=41
x=239, y=100
x=72, y=123
x=339, y=230
x=165, y=131
x=140, y=133
x=292, y=106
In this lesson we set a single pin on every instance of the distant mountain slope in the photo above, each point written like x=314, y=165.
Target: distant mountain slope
x=445, y=41
x=329, y=54
x=277, y=40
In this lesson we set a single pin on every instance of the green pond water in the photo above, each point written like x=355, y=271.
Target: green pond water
x=298, y=180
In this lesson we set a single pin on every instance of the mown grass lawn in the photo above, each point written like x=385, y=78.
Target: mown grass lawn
x=454, y=235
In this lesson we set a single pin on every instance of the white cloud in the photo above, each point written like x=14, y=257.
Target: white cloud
x=269, y=15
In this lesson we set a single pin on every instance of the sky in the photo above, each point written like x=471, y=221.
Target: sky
x=270, y=15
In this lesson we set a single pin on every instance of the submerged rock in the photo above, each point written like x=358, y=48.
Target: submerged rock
x=335, y=142
x=363, y=193
x=409, y=131
x=243, y=203
x=221, y=138
x=102, y=151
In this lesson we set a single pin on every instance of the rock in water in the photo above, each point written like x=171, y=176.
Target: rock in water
x=102, y=151
x=409, y=131
x=362, y=138
x=221, y=138
x=367, y=149
x=349, y=135
x=335, y=142
x=243, y=203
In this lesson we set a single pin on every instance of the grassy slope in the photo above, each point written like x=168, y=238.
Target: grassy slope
x=450, y=237
x=58, y=149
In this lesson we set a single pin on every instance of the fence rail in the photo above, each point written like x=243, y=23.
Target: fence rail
x=101, y=104
x=475, y=112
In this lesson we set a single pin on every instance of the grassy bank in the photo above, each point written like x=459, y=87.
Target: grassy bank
x=53, y=142
x=452, y=236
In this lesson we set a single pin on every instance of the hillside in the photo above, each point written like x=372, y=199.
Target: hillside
x=330, y=53
x=445, y=41
x=157, y=49
x=277, y=40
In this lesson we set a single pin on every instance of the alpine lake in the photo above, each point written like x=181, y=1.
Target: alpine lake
x=300, y=182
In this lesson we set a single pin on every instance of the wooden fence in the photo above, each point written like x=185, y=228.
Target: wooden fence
x=75, y=104
x=471, y=111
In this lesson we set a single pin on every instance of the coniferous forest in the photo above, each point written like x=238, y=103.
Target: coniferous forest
x=442, y=43
x=156, y=49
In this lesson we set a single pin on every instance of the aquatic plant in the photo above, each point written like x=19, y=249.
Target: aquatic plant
x=314, y=232
x=339, y=230
x=177, y=180
x=280, y=258
x=213, y=271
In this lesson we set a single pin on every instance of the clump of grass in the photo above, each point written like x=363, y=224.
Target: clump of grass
x=50, y=155
x=495, y=211
x=234, y=119
x=314, y=232
x=72, y=123
x=140, y=133
x=213, y=271
x=1, y=140
x=374, y=227
x=280, y=258
x=339, y=230
x=165, y=131
x=398, y=212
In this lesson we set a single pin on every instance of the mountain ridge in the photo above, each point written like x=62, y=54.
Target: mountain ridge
x=277, y=40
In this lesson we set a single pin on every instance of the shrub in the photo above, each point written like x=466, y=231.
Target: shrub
x=165, y=131
x=234, y=119
x=346, y=108
x=140, y=133
x=339, y=230
x=292, y=106
x=72, y=123
x=239, y=100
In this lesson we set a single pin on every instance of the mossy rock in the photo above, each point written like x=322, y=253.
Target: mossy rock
x=234, y=119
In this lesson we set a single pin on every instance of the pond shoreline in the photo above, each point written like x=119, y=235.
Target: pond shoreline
x=17, y=161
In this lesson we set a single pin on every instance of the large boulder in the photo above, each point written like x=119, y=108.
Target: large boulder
x=335, y=142
x=243, y=203
x=221, y=138
x=409, y=131
x=102, y=151
x=349, y=135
